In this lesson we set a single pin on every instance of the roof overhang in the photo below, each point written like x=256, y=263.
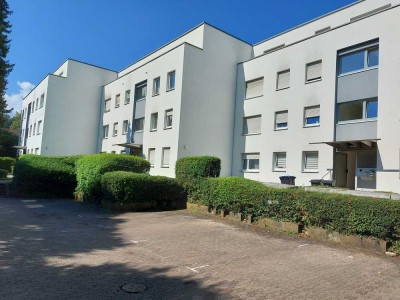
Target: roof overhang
x=129, y=145
x=366, y=144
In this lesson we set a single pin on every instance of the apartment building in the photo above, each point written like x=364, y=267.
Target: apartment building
x=318, y=101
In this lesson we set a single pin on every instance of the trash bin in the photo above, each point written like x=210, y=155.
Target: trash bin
x=315, y=182
x=287, y=180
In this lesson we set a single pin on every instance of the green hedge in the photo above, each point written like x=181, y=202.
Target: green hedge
x=6, y=163
x=130, y=191
x=3, y=174
x=45, y=176
x=347, y=214
x=91, y=168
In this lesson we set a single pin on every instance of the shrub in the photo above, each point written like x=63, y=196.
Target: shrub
x=45, y=176
x=91, y=168
x=190, y=172
x=124, y=190
x=3, y=174
x=6, y=163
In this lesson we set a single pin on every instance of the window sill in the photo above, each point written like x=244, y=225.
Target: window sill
x=255, y=97
x=151, y=166
x=168, y=90
x=279, y=170
x=124, y=133
x=281, y=89
x=167, y=128
x=251, y=171
x=165, y=167
x=155, y=95
x=310, y=171
x=311, y=125
x=138, y=131
x=108, y=110
x=105, y=138
x=313, y=80
x=139, y=100
x=116, y=106
x=250, y=134
x=280, y=129
x=357, y=121
x=153, y=130
x=126, y=103
x=358, y=71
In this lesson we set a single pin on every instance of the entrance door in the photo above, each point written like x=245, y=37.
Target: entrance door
x=366, y=169
x=341, y=169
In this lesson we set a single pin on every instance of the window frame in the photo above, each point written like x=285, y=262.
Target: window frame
x=140, y=85
x=154, y=156
x=247, y=169
x=125, y=126
x=364, y=111
x=106, y=130
x=163, y=165
x=304, y=162
x=41, y=103
x=305, y=125
x=366, y=49
x=251, y=81
x=251, y=117
x=117, y=103
x=38, y=131
x=169, y=87
x=166, y=118
x=313, y=79
x=154, y=86
x=136, y=122
x=275, y=167
x=115, y=129
x=151, y=121
x=276, y=128
x=277, y=80
x=127, y=97
x=105, y=105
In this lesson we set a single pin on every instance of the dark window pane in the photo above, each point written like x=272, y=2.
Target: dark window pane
x=373, y=57
x=351, y=62
x=312, y=120
x=372, y=109
x=350, y=111
x=281, y=125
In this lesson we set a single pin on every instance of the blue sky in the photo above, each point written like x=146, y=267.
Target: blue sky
x=114, y=33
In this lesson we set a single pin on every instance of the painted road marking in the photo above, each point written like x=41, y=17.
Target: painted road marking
x=195, y=269
x=28, y=201
x=35, y=206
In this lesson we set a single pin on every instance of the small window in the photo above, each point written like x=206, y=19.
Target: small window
x=168, y=118
x=107, y=105
x=283, y=80
x=372, y=109
x=127, y=96
x=36, y=150
x=30, y=130
x=281, y=120
x=310, y=161
x=141, y=91
x=153, y=121
x=156, y=86
x=39, y=127
x=33, y=106
x=165, y=156
x=139, y=124
x=34, y=129
x=311, y=115
x=373, y=57
x=314, y=71
x=125, y=125
x=105, y=131
x=252, y=125
x=171, y=81
x=279, y=161
x=151, y=157
x=115, y=129
x=360, y=59
x=41, y=100
x=122, y=152
x=117, y=100
x=251, y=161
x=358, y=110
x=254, y=88
x=37, y=104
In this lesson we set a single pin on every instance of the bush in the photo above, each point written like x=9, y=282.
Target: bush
x=91, y=168
x=45, y=176
x=346, y=214
x=124, y=190
x=6, y=163
x=3, y=174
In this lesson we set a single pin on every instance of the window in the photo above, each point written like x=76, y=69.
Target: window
x=37, y=104
x=254, y=88
x=34, y=129
x=113, y=152
x=41, y=100
x=165, y=157
x=314, y=71
x=359, y=59
x=281, y=120
x=168, y=118
x=283, y=80
x=310, y=161
x=141, y=91
x=30, y=130
x=125, y=127
x=36, y=150
x=33, y=106
x=39, y=126
x=311, y=115
x=252, y=125
x=139, y=124
x=107, y=105
x=117, y=100
x=279, y=161
x=105, y=131
x=122, y=152
x=251, y=161
x=153, y=121
x=171, y=81
x=152, y=153
x=358, y=110
x=115, y=129
x=127, y=96
x=156, y=86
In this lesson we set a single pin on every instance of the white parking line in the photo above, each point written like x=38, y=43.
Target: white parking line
x=195, y=269
x=28, y=201
x=35, y=206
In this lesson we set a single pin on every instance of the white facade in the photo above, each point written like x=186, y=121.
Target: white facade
x=284, y=106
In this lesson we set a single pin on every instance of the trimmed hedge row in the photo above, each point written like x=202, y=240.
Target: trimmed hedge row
x=130, y=191
x=3, y=174
x=6, y=163
x=91, y=168
x=347, y=214
x=45, y=176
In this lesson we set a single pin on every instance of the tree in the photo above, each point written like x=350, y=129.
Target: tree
x=15, y=121
x=8, y=139
x=5, y=66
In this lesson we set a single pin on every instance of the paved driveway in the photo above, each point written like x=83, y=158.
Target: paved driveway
x=64, y=250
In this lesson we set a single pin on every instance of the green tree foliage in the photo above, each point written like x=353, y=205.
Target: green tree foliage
x=5, y=66
x=8, y=139
x=15, y=122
